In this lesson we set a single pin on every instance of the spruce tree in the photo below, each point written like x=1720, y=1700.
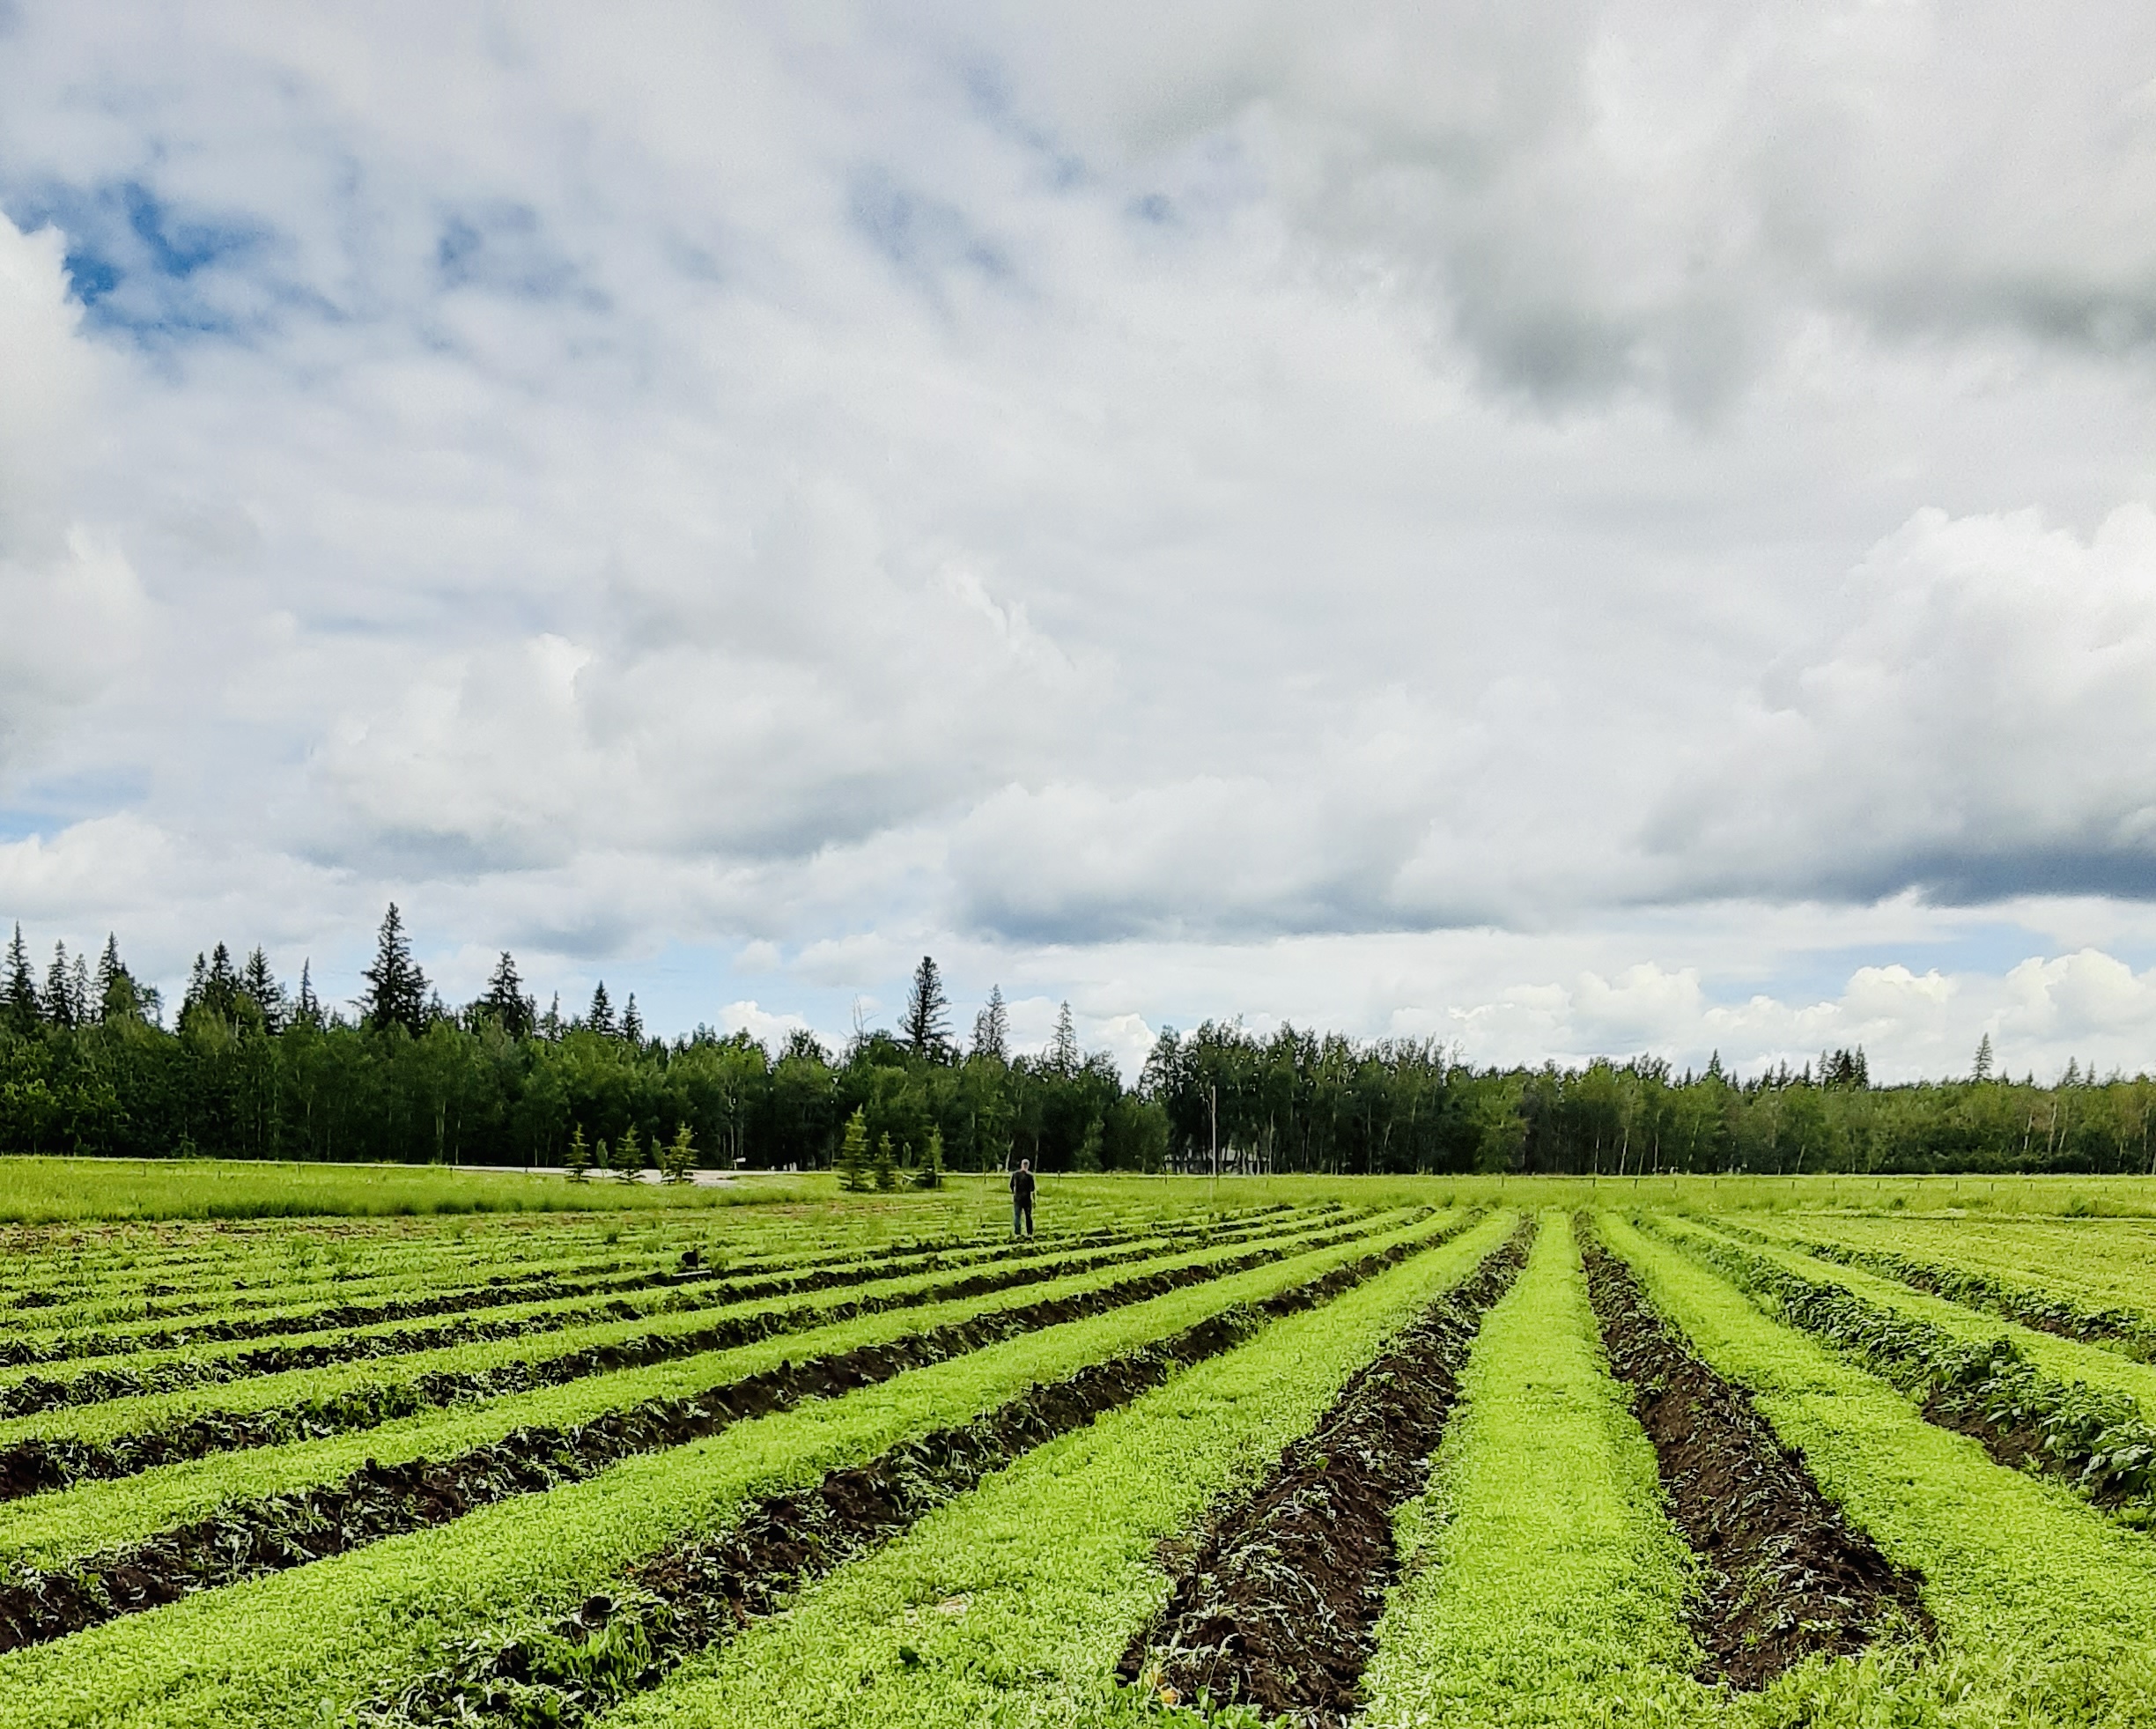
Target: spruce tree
x=1063, y=1050
x=504, y=1000
x=81, y=1004
x=1982, y=1068
x=679, y=1158
x=59, y=1004
x=992, y=1027
x=577, y=1161
x=112, y=991
x=854, y=1154
x=306, y=1008
x=1088, y=1159
x=930, y=1176
x=628, y=1156
x=18, y=999
x=261, y=987
x=600, y=1018
x=928, y=1013
x=396, y=992
x=886, y=1166
x=633, y=1023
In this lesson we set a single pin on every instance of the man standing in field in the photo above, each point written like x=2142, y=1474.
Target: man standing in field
x=1022, y=1198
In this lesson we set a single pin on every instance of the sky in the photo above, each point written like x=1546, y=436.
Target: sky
x=1559, y=527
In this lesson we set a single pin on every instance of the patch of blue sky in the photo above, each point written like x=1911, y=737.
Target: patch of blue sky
x=143, y=267
x=1990, y=948
x=924, y=236
x=47, y=805
x=502, y=249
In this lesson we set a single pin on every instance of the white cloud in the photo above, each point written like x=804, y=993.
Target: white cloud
x=1569, y=526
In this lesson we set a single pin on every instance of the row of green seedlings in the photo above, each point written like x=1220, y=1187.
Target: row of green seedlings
x=2096, y=1438
x=35, y=1394
x=284, y=1530
x=675, y=1159
x=703, y=1591
x=40, y=1464
x=2123, y=1330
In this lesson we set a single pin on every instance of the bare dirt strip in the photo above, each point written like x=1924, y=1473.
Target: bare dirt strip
x=1274, y=1603
x=248, y=1539
x=688, y=1599
x=39, y=1464
x=1785, y=1576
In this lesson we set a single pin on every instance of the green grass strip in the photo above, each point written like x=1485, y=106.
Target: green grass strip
x=50, y=1530
x=1016, y=1601
x=2047, y=1610
x=1549, y=1588
x=301, y=1646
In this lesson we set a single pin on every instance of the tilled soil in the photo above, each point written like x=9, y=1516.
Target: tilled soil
x=1275, y=1604
x=689, y=1598
x=1786, y=1577
x=248, y=1539
x=38, y=1465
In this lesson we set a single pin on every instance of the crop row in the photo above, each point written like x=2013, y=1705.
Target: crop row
x=2096, y=1438
x=2126, y=1330
x=312, y=1405
x=700, y=1259
x=338, y=1630
x=671, y=1291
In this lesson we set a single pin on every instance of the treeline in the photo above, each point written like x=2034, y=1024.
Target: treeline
x=250, y=1068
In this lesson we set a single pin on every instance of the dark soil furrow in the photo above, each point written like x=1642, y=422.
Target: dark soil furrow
x=742, y=1285
x=1786, y=1577
x=689, y=1598
x=378, y=1501
x=1274, y=1603
x=40, y=1465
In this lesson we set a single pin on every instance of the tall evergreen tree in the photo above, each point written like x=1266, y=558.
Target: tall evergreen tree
x=306, y=1008
x=551, y=1023
x=81, y=1004
x=506, y=1001
x=926, y=1027
x=992, y=1027
x=397, y=990
x=600, y=1016
x=1063, y=1049
x=262, y=987
x=633, y=1023
x=1981, y=1068
x=59, y=1001
x=18, y=999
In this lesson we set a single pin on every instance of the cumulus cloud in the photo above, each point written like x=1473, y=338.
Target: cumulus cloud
x=1984, y=724
x=1403, y=517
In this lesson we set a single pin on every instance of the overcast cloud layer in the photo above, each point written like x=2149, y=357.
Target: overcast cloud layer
x=1565, y=527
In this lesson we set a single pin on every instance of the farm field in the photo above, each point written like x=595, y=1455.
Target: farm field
x=393, y=1451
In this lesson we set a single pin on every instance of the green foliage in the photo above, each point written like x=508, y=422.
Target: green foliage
x=2099, y=1438
x=628, y=1161
x=1088, y=1160
x=679, y=1158
x=2047, y=1611
x=885, y=1167
x=578, y=1161
x=930, y=1176
x=854, y=1155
